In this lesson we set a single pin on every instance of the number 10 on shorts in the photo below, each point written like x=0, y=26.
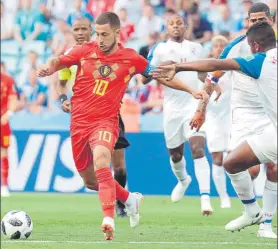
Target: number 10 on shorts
x=105, y=136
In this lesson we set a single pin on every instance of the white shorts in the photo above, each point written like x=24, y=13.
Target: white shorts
x=241, y=131
x=264, y=144
x=218, y=133
x=177, y=131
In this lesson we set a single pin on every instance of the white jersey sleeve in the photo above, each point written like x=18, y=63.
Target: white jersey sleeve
x=154, y=56
x=233, y=48
x=263, y=68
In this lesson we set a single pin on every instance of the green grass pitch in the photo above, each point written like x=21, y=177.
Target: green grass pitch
x=73, y=222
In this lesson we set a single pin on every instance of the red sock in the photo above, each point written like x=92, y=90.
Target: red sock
x=121, y=193
x=4, y=171
x=106, y=191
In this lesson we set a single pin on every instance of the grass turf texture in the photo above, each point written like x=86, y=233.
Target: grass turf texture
x=73, y=221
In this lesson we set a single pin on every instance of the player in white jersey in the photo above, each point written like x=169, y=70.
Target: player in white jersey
x=261, y=145
x=218, y=126
x=178, y=109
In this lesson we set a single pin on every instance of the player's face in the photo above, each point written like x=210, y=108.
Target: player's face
x=217, y=49
x=81, y=31
x=106, y=37
x=176, y=27
x=258, y=17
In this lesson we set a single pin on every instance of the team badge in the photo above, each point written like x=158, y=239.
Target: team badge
x=105, y=70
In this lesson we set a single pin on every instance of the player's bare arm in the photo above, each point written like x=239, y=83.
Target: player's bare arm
x=177, y=84
x=61, y=89
x=205, y=65
x=51, y=67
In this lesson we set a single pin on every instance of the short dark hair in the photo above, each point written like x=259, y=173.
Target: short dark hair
x=259, y=7
x=109, y=18
x=263, y=34
x=81, y=18
x=170, y=11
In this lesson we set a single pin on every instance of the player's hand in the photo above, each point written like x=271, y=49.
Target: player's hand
x=198, y=120
x=218, y=91
x=5, y=119
x=166, y=72
x=66, y=106
x=43, y=71
x=200, y=95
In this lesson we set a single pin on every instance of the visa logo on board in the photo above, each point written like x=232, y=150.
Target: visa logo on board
x=47, y=159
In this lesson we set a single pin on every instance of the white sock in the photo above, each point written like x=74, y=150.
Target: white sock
x=179, y=169
x=243, y=186
x=202, y=172
x=129, y=200
x=269, y=202
x=219, y=178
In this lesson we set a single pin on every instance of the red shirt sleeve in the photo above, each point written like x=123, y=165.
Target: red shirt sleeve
x=141, y=64
x=72, y=56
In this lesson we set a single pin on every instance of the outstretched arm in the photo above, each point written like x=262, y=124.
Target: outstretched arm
x=71, y=57
x=51, y=67
x=207, y=65
x=178, y=85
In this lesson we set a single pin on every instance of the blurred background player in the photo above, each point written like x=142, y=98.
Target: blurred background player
x=218, y=126
x=8, y=108
x=259, y=146
x=98, y=90
x=82, y=30
x=178, y=109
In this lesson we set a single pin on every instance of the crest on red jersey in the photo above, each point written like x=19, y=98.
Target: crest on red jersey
x=105, y=70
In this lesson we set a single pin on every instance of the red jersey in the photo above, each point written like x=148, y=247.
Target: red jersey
x=7, y=89
x=101, y=80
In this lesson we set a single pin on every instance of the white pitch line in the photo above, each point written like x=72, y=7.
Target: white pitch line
x=135, y=242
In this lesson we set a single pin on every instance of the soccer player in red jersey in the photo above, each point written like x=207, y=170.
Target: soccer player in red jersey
x=8, y=107
x=104, y=71
x=82, y=29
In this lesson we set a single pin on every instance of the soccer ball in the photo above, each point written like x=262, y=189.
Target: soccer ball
x=16, y=225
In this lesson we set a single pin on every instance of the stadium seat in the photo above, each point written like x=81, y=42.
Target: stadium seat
x=38, y=46
x=11, y=63
x=10, y=48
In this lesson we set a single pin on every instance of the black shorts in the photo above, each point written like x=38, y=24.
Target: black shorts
x=122, y=142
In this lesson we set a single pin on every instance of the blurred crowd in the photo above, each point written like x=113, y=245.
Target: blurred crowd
x=44, y=27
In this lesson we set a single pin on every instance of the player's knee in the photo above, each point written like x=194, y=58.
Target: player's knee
x=102, y=159
x=176, y=157
x=230, y=165
x=197, y=151
x=254, y=171
x=271, y=172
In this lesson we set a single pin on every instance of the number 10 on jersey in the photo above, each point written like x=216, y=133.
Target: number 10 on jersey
x=100, y=87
